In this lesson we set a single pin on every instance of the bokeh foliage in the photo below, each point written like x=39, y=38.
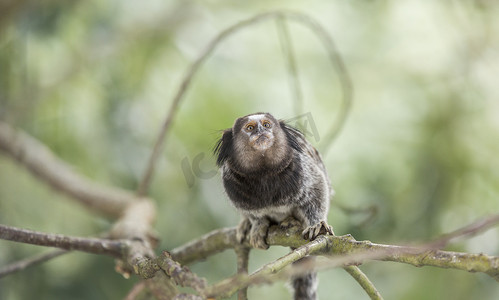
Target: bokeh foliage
x=94, y=79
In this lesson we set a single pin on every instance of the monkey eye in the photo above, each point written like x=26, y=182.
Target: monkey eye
x=250, y=127
x=267, y=124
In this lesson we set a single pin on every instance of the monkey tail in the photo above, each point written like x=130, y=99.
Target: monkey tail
x=305, y=286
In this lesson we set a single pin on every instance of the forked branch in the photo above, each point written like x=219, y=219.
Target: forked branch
x=220, y=240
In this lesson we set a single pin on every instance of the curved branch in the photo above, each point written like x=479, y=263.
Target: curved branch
x=300, y=18
x=42, y=163
x=340, y=68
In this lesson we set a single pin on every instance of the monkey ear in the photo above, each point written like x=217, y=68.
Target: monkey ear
x=223, y=147
x=293, y=135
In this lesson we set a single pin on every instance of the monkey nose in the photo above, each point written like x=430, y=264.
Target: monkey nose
x=259, y=128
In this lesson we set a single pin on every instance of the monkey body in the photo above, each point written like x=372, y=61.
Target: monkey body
x=279, y=193
x=270, y=173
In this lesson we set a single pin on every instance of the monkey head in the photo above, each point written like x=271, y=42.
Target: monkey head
x=255, y=142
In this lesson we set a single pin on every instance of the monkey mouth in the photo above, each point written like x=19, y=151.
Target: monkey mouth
x=261, y=142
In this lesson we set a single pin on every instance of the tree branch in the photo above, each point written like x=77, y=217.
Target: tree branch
x=347, y=251
x=271, y=272
x=181, y=275
x=162, y=287
x=90, y=245
x=220, y=240
x=467, y=231
x=137, y=217
x=364, y=282
x=207, y=245
x=43, y=164
x=25, y=263
x=242, y=254
x=134, y=228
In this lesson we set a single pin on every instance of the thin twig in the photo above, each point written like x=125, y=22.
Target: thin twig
x=309, y=248
x=300, y=18
x=470, y=230
x=364, y=282
x=90, y=245
x=25, y=263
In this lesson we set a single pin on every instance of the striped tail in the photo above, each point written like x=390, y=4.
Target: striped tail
x=305, y=286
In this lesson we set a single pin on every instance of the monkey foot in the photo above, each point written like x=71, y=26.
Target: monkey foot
x=257, y=232
x=315, y=230
x=257, y=240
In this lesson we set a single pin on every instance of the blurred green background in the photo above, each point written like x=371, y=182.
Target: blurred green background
x=94, y=79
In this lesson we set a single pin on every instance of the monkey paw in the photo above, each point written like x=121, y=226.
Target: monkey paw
x=258, y=235
x=257, y=240
x=256, y=230
x=315, y=230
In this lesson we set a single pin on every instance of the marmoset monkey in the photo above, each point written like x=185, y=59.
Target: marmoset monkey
x=270, y=173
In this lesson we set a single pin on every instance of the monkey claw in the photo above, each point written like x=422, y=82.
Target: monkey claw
x=315, y=230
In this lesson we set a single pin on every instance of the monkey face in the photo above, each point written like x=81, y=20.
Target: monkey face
x=255, y=143
x=258, y=129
